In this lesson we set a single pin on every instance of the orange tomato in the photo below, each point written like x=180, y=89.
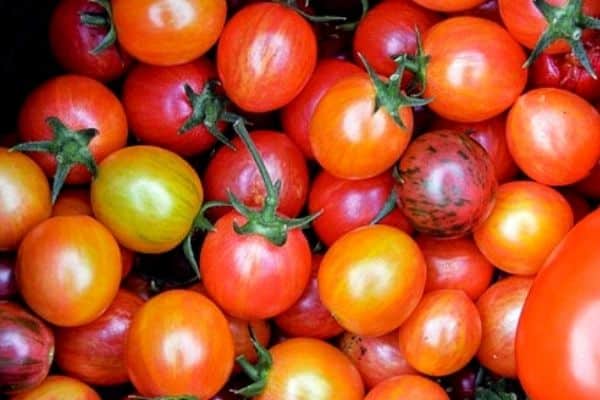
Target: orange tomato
x=408, y=387
x=59, y=387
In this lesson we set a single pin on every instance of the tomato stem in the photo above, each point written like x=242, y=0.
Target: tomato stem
x=388, y=207
x=95, y=20
x=259, y=372
x=350, y=26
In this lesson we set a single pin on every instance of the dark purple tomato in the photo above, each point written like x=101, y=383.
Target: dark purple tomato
x=8, y=284
x=463, y=384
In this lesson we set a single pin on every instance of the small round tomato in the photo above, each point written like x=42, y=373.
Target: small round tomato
x=179, y=343
x=148, y=197
x=526, y=223
x=24, y=198
x=449, y=5
x=554, y=136
x=69, y=270
x=443, y=333
x=60, y=387
x=408, y=387
x=168, y=32
x=371, y=279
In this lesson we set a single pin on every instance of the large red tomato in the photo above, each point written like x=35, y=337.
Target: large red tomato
x=408, y=387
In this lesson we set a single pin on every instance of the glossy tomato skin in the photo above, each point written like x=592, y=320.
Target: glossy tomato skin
x=350, y=140
x=371, y=279
x=69, y=270
x=148, y=197
x=455, y=264
x=443, y=333
x=548, y=129
x=200, y=351
x=296, y=116
x=475, y=76
x=449, y=6
x=248, y=276
x=25, y=198
x=80, y=103
x=8, y=281
x=168, y=33
x=310, y=368
x=275, y=53
x=26, y=349
x=446, y=183
x=60, y=387
x=408, y=387
x=73, y=202
x=236, y=171
x=72, y=42
x=93, y=353
x=157, y=106
x=381, y=38
x=376, y=358
x=571, y=329
x=528, y=221
x=349, y=204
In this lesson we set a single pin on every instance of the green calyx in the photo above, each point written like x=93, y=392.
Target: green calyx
x=312, y=18
x=103, y=19
x=68, y=147
x=388, y=207
x=566, y=22
x=259, y=372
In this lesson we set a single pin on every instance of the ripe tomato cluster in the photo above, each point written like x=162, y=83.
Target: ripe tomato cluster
x=282, y=200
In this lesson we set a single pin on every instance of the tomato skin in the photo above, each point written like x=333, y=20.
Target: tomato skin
x=271, y=44
x=590, y=185
x=476, y=76
x=449, y=6
x=571, y=329
x=349, y=204
x=200, y=355
x=168, y=33
x=579, y=204
x=371, y=279
x=351, y=141
x=296, y=116
x=69, y=270
x=455, y=264
x=443, y=333
x=548, y=129
x=8, y=281
x=24, y=199
x=408, y=387
x=147, y=196
x=527, y=222
x=73, y=202
x=60, y=387
x=241, y=272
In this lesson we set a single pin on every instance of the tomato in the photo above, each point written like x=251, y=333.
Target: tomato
x=60, y=387
x=475, y=76
x=296, y=116
x=24, y=198
x=489, y=9
x=527, y=222
x=162, y=112
x=235, y=171
x=168, y=33
x=449, y=6
x=248, y=276
x=554, y=136
x=73, y=202
x=69, y=270
x=376, y=358
x=8, y=281
x=349, y=204
x=500, y=308
x=579, y=204
x=148, y=197
x=85, y=48
x=407, y=387
x=242, y=343
x=590, y=185
x=455, y=264
x=443, y=333
x=371, y=279
x=275, y=53
x=179, y=343
x=560, y=321
x=349, y=139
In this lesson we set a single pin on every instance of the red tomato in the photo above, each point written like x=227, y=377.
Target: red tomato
x=69, y=270
x=179, y=343
x=349, y=204
x=168, y=32
x=73, y=202
x=554, y=136
x=296, y=116
x=500, y=308
x=408, y=387
x=489, y=9
x=24, y=199
x=476, y=75
x=443, y=333
x=449, y=5
x=560, y=321
x=60, y=387
x=371, y=279
x=455, y=264
x=275, y=53
x=376, y=358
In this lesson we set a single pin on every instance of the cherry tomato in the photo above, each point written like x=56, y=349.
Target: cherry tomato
x=449, y=5
x=73, y=202
x=59, y=387
x=407, y=387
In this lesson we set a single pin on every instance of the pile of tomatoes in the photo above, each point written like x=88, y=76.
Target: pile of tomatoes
x=283, y=200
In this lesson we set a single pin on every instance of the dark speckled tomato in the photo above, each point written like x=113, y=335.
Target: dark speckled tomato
x=446, y=183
